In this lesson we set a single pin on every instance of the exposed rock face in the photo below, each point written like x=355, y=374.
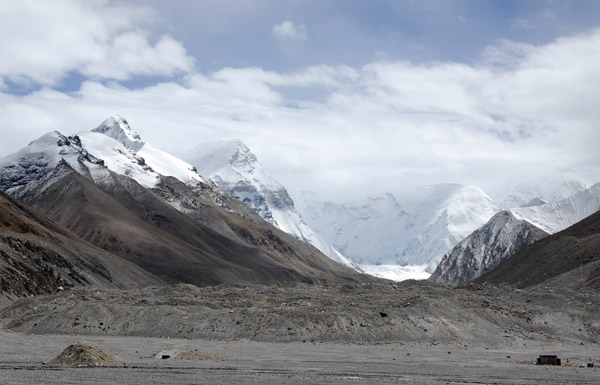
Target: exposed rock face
x=485, y=248
x=511, y=231
x=32, y=163
x=567, y=259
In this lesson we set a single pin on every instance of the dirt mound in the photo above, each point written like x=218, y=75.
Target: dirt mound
x=193, y=355
x=85, y=355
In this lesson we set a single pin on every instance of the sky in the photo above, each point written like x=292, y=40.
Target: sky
x=346, y=98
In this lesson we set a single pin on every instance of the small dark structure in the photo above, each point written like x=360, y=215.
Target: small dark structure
x=548, y=360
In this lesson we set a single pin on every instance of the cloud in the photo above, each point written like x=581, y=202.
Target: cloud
x=379, y=127
x=522, y=24
x=42, y=42
x=506, y=53
x=287, y=30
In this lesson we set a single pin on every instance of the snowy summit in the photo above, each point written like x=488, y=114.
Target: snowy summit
x=117, y=127
x=234, y=168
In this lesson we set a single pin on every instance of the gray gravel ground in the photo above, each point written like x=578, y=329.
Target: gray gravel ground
x=409, y=333
x=253, y=362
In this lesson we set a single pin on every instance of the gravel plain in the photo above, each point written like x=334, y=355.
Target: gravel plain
x=254, y=362
x=302, y=334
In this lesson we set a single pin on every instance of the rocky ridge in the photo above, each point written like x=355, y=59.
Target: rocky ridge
x=485, y=248
x=508, y=232
x=567, y=259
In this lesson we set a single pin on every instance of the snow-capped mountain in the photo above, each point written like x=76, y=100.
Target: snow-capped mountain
x=110, y=145
x=509, y=231
x=481, y=251
x=410, y=229
x=25, y=168
x=117, y=127
x=556, y=216
x=535, y=193
x=233, y=167
x=153, y=209
x=568, y=259
x=160, y=162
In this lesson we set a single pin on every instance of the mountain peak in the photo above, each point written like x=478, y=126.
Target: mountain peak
x=212, y=157
x=234, y=168
x=481, y=251
x=117, y=127
x=242, y=156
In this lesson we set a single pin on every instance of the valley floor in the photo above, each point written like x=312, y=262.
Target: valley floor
x=252, y=362
x=412, y=332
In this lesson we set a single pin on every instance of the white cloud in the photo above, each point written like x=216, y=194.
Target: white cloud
x=42, y=41
x=289, y=31
x=379, y=127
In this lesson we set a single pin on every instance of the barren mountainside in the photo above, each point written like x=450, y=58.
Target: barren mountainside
x=569, y=258
x=485, y=248
x=38, y=255
x=176, y=227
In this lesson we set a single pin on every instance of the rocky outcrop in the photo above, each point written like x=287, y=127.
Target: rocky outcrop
x=485, y=248
x=567, y=259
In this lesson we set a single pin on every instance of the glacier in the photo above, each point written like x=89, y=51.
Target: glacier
x=556, y=216
x=509, y=231
x=408, y=229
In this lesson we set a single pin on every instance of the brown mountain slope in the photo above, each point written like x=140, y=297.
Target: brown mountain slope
x=570, y=258
x=205, y=246
x=37, y=256
x=233, y=219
